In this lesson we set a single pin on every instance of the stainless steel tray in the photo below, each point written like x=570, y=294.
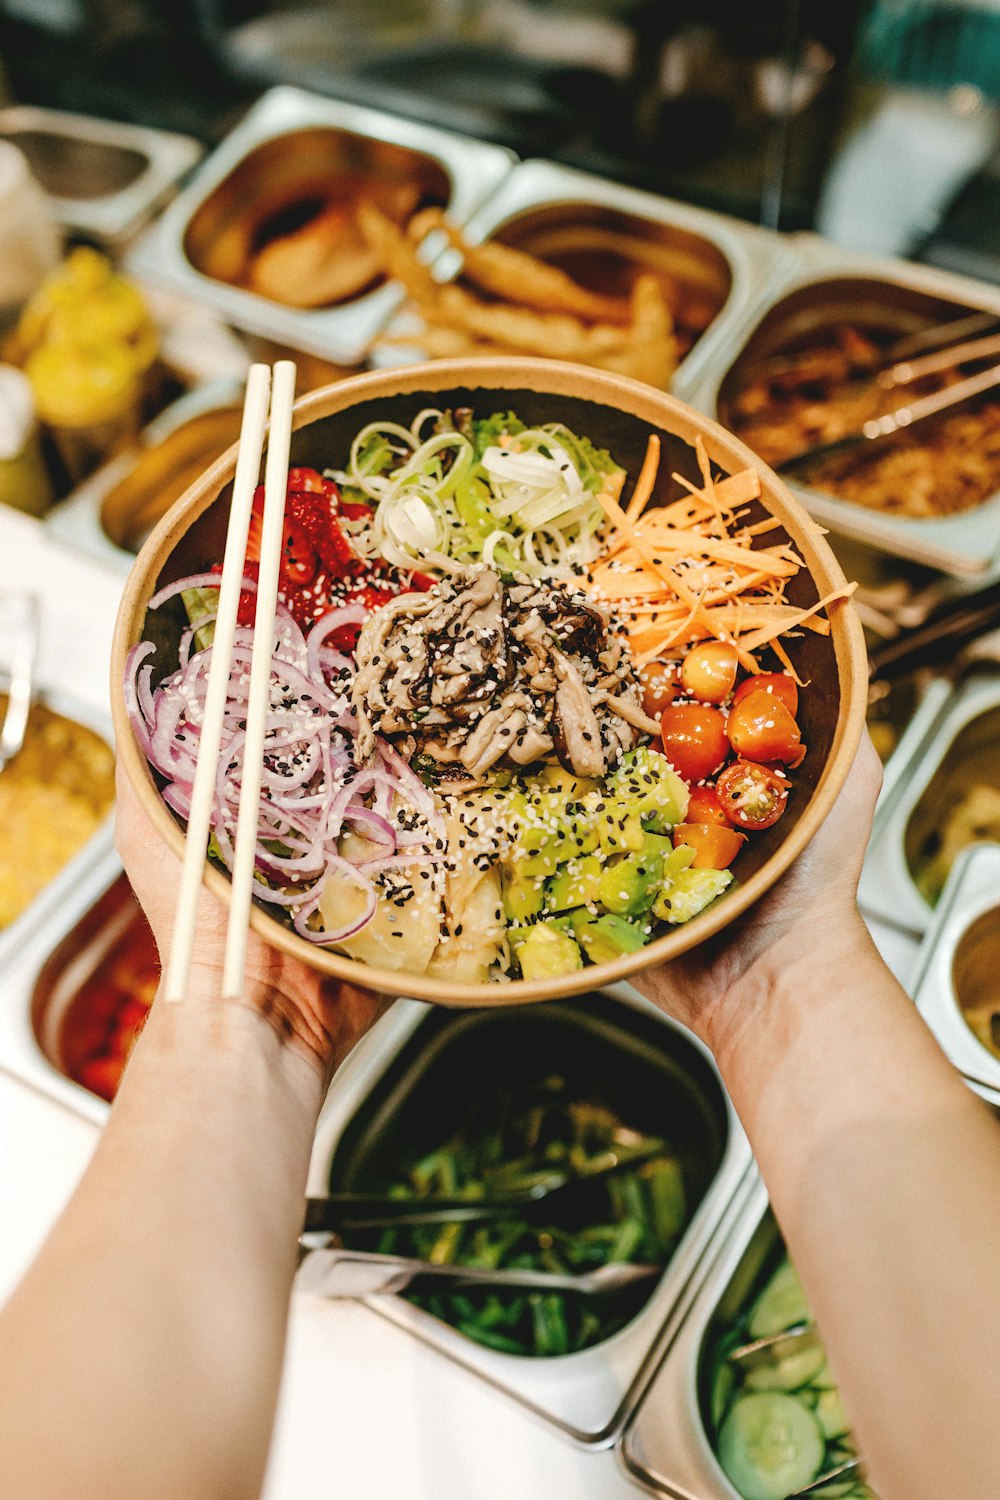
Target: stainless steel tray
x=887, y=889
x=966, y=545
x=587, y=1395
x=343, y=333
x=76, y=521
x=20, y=965
x=53, y=898
x=748, y=261
x=666, y=1446
x=962, y=950
x=102, y=178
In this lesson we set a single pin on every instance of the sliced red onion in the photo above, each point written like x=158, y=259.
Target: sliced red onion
x=311, y=785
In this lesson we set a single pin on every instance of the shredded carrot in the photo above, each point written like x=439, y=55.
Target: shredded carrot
x=696, y=569
x=647, y=478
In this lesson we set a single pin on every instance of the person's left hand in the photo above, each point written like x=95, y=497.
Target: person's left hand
x=319, y=1016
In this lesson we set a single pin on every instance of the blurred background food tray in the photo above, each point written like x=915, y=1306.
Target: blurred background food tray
x=275, y=201
x=713, y=270
x=957, y=987
x=826, y=289
x=943, y=794
x=102, y=178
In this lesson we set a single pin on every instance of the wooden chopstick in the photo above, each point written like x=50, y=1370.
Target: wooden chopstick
x=203, y=792
x=255, y=411
x=245, y=853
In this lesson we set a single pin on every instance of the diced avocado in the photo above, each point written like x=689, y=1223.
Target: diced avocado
x=547, y=952
x=831, y=1415
x=608, y=937
x=648, y=785
x=576, y=883
x=629, y=886
x=523, y=896
x=770, y=1445
x=573, y=788
x=782, y=1304
x=619, y=830
x=689, y=893
x=790, y=1372
x=548, y=829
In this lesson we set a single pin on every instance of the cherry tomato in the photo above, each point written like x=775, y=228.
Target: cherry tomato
x=659, y=687
x=752, y=795
x=761, y=728
x=778, y=683
x=709, y=671
x=694, y=739
x=704, y=807
x=714, y=847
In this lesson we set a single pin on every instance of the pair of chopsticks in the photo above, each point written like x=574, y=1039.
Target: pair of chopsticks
x=263, y=392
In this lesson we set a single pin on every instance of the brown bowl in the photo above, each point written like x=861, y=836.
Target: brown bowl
x=615, y=413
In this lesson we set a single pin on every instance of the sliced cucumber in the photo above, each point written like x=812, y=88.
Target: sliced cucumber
x=770, y=1445
x=782, y=1304
x=823, y=1380
x=831, y=1417
x=790, y=1372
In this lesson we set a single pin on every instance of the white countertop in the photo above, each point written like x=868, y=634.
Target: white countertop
x=366, y=1410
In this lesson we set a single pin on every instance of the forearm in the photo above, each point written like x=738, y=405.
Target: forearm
x=884, y=1173
x=141, y=1355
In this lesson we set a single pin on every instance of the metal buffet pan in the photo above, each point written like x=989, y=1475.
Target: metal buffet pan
x=958, y=980
x=394, y=1103
x=102, y=178
x=32, y=1000
x=950, y=749
x=290, y=143
x=53, y=897
x=720, y=269
x=667, y=1445
x=111, y=513
x=824, y=286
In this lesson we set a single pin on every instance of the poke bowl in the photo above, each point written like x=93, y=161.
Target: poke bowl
x=528, y=740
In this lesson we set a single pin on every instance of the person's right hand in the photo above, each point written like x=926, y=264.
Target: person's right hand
x=319, y=1017
x=809, y=916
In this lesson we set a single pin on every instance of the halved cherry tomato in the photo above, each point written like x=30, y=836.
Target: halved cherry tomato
x=753, y=796
x=714, y=847
x=704, y=806
x=709, y=671
x=694, y=739
x=659, y=687
x=761, y=728
x=778, y=683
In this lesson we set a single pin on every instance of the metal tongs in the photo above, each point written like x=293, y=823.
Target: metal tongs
x=332, y=1271
x=771, y=1349
x=19, y=627
x=906, y=416
x=949, y=344
x=339, y=1273
x=555, y=1197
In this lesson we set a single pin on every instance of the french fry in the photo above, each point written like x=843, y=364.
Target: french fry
x=505, y=271
x=528, y=307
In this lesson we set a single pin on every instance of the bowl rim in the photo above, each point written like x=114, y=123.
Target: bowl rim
x=550, y=377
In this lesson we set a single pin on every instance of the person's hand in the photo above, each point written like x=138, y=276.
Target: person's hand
x=318, y=1016
x=810, y=916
